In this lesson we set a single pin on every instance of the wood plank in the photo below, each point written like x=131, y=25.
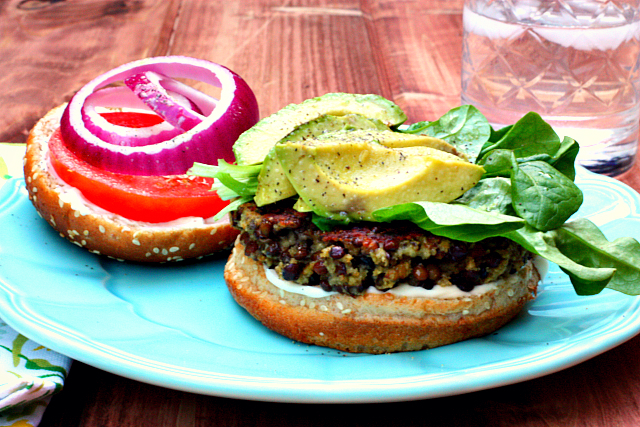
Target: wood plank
x=418, y=47
x=287, y=51
x=50, y=49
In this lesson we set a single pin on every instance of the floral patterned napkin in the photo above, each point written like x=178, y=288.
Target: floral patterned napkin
x=29, y=372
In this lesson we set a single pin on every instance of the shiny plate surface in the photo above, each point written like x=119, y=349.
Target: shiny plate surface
x=176, y=326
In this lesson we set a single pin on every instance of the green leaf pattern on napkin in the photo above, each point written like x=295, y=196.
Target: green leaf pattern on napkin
x=29, y=373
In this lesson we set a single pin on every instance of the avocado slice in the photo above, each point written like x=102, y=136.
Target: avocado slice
x=392, y=139
x=273, y=185
x=253, y=145
x=339, y=179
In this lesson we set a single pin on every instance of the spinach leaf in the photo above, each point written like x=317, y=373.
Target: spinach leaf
x=496, y=135
x=491, y=195
x=542, y=196
x=454, y=221
x=327, y=224
x=463, y=127
x=529, y=136
x=582, y=241
x=586, y=280
x=565, y=158
x=499, y=162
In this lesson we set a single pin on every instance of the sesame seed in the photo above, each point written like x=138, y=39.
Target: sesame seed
x=102, y=229
x=174, y=249
x=76, y=214
x=61, y=203
x=165, y=252
x=465, y=312
x=156, y=250
x=191, y=246
x=213, y=231
x=34, y=189
x=283, y=302
x=323, y=308
x=148, y=254
x=346, y=311
x=321, y=334
x=85, y=232
x=302, y=302
x=510, y=292
x=136, y=242
x=340, y=306
x=35, y=198
x=487, y=305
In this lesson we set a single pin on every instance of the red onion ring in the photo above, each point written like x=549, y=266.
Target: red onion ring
x=147, y=86
x=121, y=97
x=212, y=139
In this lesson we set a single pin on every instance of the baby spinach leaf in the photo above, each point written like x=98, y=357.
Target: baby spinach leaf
x=491, y=195
x=586, y=280
x=327, y=224
x=454, y=221
x=464, y=127
x=582, y=241
x=496, y=135
x=565, y=158
x=528, y=136
x=542, y=196
x=500, y=162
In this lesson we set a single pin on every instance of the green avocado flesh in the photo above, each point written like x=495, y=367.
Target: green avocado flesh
x=337, y=177
x=273, y=184
x=391, y=139
x=253, y=145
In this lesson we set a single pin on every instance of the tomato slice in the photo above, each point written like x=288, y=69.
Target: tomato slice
x=137, y=197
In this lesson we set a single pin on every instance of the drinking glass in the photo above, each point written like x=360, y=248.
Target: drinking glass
x=576, y=63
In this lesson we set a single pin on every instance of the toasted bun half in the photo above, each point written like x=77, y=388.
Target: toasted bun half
x=105, y=233
x=376, y=322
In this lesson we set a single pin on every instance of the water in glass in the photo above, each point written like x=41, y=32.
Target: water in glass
x=576, y=63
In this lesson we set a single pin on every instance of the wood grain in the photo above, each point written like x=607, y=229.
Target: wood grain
x=287, y=50
x=49, y=49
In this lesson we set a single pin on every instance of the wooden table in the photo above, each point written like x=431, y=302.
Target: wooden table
x=288, y=50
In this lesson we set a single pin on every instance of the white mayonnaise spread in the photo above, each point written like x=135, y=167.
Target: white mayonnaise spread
x=437, y=292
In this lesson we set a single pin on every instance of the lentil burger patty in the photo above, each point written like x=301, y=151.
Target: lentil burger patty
x=363, y=263
x=349, y=260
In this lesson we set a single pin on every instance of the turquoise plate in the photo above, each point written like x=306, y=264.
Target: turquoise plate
x=176, y=326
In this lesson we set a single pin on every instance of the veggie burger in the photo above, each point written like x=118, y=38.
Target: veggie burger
x=363, y=235
x=351, y=229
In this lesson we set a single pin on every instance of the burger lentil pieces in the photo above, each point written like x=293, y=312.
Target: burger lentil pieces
x=350, y=259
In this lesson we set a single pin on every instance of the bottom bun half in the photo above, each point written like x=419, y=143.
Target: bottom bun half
x=105, y=233
x=376, y=322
